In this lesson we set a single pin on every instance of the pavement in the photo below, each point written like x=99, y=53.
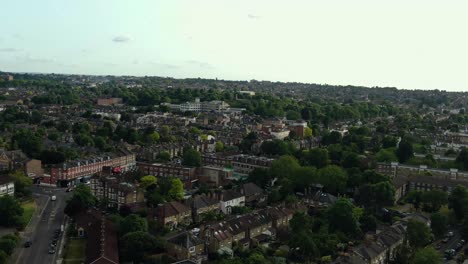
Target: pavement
x=48, y=217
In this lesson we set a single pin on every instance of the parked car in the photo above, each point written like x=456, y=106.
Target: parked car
x=27, y=244
x=53, y=198
x=51, y=250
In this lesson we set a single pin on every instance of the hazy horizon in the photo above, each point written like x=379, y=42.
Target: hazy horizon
x=416, y=45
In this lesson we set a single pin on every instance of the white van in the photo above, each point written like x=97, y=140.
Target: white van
x=53, y=198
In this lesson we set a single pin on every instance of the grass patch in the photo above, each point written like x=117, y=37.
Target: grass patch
x=75, y=251
x=29, y=207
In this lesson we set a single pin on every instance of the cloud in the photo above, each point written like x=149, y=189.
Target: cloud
x=121, y=39
x=165, y=65
x=9, y=50
x=252, y=16
x=201, y=64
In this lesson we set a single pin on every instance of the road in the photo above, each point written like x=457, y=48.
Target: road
x=49, y=216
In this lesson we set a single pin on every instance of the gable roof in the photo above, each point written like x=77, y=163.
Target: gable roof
x=250, y=189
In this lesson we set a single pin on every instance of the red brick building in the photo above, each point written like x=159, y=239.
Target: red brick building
x=71, y=173
x=186, y=174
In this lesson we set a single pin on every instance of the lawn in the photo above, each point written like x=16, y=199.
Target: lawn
x=75, y=251
x=29, y=207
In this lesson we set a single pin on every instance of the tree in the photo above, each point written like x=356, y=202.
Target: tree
x=219, y=146
x=81, y=200
x=316, y=157
x=284, y=167
x=191, y=158
x=3, y=257
x=368, y=223
x=419, y=235
x=384, y=193
x=133, y=223
x=22, y=184
x=163, y=156
x=308, y=133
x=52, y=157
x=176, y=192
x=333, y=179
x=342, y=217
x=458, y=201
x=405, y=151
x=426, y=255
x=414, y=198
x=439, y=224
x=260, y=177
x=147, y=181
x=11, y=211
x=432, y=200
x=389, y=142
x=385, y=155
x=153, y=138
x=7, y=245
x=462, y=159
x=135, y=245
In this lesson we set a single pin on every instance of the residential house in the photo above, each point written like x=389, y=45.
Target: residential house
x=186, y=174
x=7, y=186
x=101, y=238
x=116, y=192
x=201, y=204
x=172, y=214
x=229, y=199
x=186, y=246
x=254, y=195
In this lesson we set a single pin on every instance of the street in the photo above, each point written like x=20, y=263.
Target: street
x=49, y=216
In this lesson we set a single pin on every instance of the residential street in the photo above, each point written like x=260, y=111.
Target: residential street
x=48, y=217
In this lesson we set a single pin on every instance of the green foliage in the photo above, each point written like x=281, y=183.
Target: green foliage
x=277, y=147
x=176, y=192
x=333, y=179
x=81, y=200
x=432, y=200
x=133, y=223
x=22, y=184
x=163, y=156
x=135, y=246
x=419, y=235
x=7, y=245
x=385, y=155
x=458, y=201
x=147, y=181
x=426, y=255
x=11, y=211
x=439, y=224
x=462, y=159
x=316, y=157
x=404, y=151
x=191, y=158
x=219, y=146
x=342, y=217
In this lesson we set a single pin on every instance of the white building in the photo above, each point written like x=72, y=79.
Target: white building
x=6, y=187
x=230, y=199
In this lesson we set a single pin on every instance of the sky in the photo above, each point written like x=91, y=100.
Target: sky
x=405, y=44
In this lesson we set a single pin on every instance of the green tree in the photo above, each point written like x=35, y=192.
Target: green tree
x=81, y=200
x=191, y=158
x=439, y=224
x=133, y=223
x=434, y=199
x=22, y=184
x=426, y=255
x=384, y=193
x=147, y=181
x=176, y=192
x=11, y=211
x=7, y=245
x=163, y=156
x=260, y=177
x=284, y=167
x=316, y=157
x=136, y=245
x=333, y=178
x=458, y=201
x=154, y=137
x=385, y=155
x=219, y=146
x=414, y=198
x=308, y=133
x=405, y=151
x=3, y=257
x=342, y=217
x=462, y=159
x=419, y=235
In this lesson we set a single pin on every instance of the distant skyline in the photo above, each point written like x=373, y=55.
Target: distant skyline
x=405, y=44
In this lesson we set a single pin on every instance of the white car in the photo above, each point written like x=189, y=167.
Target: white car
x=53, y=198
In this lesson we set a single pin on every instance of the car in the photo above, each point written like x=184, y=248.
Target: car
x=51, y=250
x=450, y=234
x=69, y=189
x=27, y=244
x=438, y=246
x=462, y=241
x=445, y=240
x=53, y=198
